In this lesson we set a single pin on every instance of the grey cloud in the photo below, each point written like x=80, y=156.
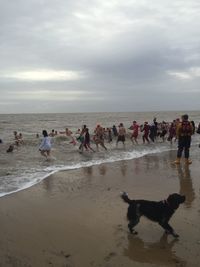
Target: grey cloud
x=126, y=49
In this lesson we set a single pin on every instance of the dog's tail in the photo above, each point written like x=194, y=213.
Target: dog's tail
x=125, y=197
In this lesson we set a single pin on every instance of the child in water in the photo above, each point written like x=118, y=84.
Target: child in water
x=45, y=146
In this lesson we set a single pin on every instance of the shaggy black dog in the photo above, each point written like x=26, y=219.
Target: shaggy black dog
x=157, y=211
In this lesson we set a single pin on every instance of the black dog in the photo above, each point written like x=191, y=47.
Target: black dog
x=158, y=211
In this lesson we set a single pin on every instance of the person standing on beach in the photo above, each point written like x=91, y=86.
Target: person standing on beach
x=45, y=146
x=183, y=133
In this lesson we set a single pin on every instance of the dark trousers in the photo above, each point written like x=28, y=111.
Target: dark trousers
x=184, y=144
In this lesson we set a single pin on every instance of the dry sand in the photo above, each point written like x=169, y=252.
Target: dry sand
x=76, y=218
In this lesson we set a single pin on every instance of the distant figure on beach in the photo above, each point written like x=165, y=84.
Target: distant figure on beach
x=1, y=141
x=184, y=133
x=121, y=134
x=45, y=146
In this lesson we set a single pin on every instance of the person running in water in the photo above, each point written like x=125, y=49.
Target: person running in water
x=135, y=127
x=99, y=137
x=69, y=134
x=81, y=138
x=145, y=130
x=87, y=140
x=121, y=134
x=172, y=131
x=45, y=146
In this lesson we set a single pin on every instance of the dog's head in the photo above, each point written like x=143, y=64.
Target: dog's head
x=174, y=200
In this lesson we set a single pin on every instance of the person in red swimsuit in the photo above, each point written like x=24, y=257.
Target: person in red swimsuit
x=135, y=127
x=145, y=129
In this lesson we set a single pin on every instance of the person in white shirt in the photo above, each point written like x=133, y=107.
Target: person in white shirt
x=45, y=146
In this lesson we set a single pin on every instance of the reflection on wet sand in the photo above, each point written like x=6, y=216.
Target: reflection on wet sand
x=88, y=170
x=48, y=184
x=186, y=185
x=102, y=169
x=158, y=253
x=123, y=167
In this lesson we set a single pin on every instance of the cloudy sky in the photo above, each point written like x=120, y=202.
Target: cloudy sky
x=99, y=55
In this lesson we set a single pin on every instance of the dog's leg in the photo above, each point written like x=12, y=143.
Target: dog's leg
x=132, y=224
x=168, y=229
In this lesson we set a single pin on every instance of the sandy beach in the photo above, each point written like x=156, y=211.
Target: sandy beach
x=77, y=218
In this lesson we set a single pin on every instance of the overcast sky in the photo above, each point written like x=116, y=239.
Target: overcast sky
x=99, y=55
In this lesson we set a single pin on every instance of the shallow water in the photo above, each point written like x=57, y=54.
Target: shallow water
x=26, y=167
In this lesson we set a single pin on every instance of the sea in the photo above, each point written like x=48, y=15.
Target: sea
x=25, y=166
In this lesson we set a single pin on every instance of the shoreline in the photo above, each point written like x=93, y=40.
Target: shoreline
x=76, y=217
x=93, y=162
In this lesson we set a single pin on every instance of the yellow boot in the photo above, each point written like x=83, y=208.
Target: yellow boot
x=177, y=161
x=188, y=161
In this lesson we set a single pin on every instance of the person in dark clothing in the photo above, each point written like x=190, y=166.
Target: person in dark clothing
x=193, y=124
x=114, y=129
x=87, y=140
x=184, y=132
x=152, y=132
x=145, y=130
x=155, y=128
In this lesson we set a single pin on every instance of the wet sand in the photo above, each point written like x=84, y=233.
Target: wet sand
x=77, y=218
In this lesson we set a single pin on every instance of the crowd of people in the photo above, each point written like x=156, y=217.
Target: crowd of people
x=179, y=129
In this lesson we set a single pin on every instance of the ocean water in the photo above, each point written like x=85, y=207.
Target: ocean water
x=25, y=166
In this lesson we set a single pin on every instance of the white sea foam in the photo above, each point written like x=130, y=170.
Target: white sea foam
x=32, y=177
x=24, y=167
